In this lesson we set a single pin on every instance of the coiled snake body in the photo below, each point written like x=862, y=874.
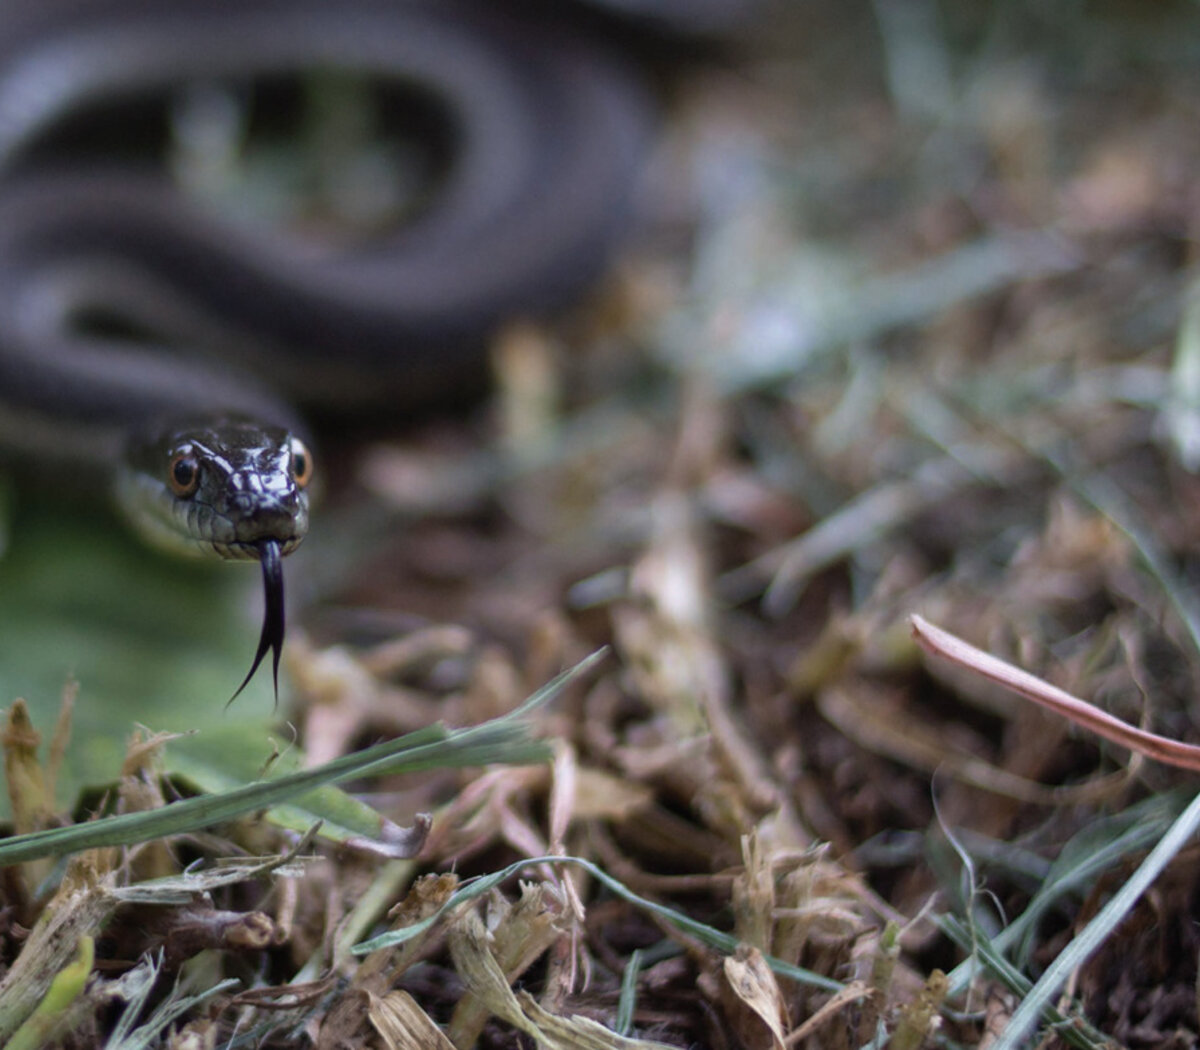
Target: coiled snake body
x=148, y=335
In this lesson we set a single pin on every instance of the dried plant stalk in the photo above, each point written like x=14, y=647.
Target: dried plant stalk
x=947, y=646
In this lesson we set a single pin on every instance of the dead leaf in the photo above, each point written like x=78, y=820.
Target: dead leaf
x=403, y=1025
x=752, y=1000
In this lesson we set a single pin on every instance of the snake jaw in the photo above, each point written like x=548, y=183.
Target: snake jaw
x=271, y=637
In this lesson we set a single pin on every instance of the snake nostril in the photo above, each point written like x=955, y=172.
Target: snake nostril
x=257, y=516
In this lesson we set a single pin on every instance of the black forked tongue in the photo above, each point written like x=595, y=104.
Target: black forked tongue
x=272, y=625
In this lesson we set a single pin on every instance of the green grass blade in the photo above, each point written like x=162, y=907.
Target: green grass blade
x=503, y=740
x=1034, y=1006
x=714, y=938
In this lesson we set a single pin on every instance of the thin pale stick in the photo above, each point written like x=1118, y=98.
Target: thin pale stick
x=949, y=647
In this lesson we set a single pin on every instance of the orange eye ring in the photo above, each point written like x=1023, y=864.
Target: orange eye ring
x=302, y=463
x=184, y=474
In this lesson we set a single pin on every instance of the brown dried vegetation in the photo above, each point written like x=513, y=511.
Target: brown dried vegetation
x=929, y=350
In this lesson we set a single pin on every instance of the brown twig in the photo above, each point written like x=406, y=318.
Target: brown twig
x=943, y=644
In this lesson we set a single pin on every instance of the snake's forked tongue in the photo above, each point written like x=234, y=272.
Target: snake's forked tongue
x=273, y=623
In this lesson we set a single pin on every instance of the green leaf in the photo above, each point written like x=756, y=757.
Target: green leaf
x=151, y=641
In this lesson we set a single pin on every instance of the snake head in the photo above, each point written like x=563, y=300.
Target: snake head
x=219, y=487
x=233, y=488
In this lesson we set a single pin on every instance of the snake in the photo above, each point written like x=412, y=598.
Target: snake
x=150, y=338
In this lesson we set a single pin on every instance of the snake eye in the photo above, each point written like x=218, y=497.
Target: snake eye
x=302, y=464
x=184, y=475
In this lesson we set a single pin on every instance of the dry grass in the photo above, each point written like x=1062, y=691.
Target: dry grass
x=928, y=349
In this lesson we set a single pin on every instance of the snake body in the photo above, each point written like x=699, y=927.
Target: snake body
x=214, y=333
x=547, y=134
